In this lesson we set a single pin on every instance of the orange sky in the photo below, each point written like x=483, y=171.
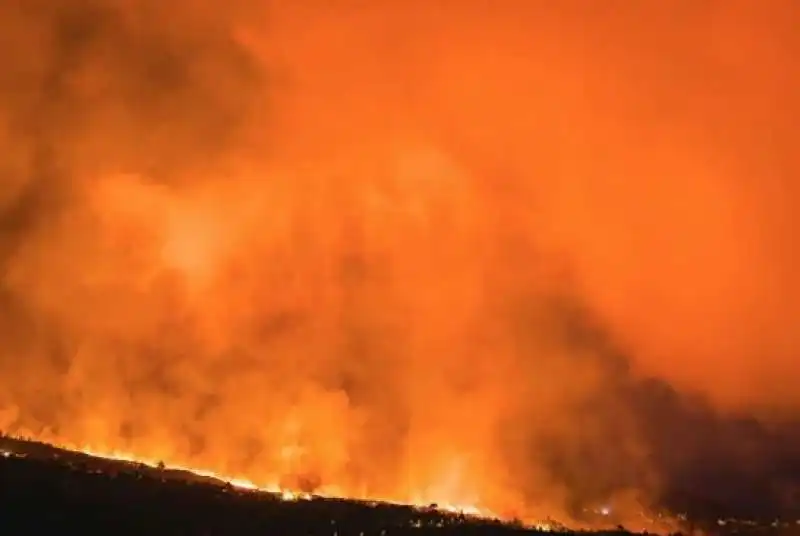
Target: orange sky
x=231, y=227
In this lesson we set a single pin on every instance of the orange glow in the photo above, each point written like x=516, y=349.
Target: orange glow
x=285, y=494
x=422, y=251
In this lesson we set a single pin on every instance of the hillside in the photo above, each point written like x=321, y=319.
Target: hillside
x=47, y=490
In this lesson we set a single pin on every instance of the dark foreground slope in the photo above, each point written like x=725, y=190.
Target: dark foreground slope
x=44, y=490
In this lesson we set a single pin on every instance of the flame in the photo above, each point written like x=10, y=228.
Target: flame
x=275, y=488
x=398, y=250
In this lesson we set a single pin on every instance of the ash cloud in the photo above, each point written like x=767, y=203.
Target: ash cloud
x=534, y=257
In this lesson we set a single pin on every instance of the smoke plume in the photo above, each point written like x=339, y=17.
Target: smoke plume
x=533, y=256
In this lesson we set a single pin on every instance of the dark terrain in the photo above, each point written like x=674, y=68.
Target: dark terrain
x=44, y=490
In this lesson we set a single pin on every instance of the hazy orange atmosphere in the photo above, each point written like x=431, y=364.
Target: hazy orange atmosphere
x=528, y=256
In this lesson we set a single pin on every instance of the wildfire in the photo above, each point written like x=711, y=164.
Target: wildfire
x=244, y=483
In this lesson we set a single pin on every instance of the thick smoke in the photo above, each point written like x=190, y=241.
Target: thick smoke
x=535, y=256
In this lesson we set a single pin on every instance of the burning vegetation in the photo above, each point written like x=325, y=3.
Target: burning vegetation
x=519, y=260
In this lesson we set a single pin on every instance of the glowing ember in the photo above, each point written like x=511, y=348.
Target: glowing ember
x=459, y=257
x=246, y=484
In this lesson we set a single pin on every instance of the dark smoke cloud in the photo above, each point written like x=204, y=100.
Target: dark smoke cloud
x=536, y=256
